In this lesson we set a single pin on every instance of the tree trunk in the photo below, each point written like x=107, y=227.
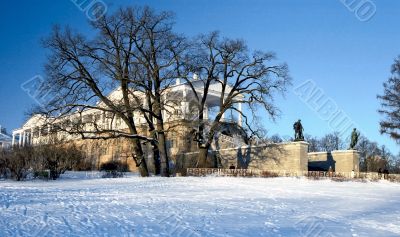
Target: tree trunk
x=202, y=159
x=144, y=172
x=153, y=134
x=163, y=154
x=139, y=158
x=156, y=159
x=204, y=146
x=156, y=153
x=162, y=146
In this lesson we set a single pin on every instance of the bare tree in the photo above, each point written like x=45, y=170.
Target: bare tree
x=367, y=149
x=313, y=143
x=157, y=52
x=133, y=58
x=395, y=164
x=390, y=103
x=331, y=142
x=276, y=138
x=241, y=78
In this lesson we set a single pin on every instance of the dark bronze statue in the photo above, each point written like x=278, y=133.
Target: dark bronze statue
x=354, y=138
x=298, y=131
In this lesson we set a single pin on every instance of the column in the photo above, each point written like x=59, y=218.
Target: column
x=13, y=139
x=40, y=134
x=184, y=103
x=31, y=136
x=20, y=139
x=23, y=138
x=163, y=107
x=240, y=114
x=48, y=133
x=103, y=120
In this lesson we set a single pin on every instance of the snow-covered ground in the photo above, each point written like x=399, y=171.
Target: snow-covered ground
x=213, y=206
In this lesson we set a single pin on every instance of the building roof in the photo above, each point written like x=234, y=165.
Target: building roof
x=115, y=95
x=5, y=138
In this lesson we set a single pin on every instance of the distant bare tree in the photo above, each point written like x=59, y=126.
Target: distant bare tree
x=276, y=138
x=331, y=142
x=395, y=164
x=248, y=79
x=367, y=149
x=390, y=103
x=372, y=156
x=313, y=143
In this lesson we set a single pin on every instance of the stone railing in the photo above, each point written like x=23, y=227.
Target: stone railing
x=354, y=175
x=288, y=173
x=219, y=172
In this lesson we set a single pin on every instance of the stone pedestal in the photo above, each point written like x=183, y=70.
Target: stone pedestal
x=290, y=156
x=346, y=161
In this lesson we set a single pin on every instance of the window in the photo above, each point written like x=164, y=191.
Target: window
x=97, y=117
x=118, y=121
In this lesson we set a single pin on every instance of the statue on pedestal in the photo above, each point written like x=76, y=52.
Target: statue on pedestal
x=298, y=131
x=354, y=138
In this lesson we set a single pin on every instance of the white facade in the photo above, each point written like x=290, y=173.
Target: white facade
x=5, y=141
x=179, y=100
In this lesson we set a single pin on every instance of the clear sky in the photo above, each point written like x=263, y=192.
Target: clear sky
x=321, y=41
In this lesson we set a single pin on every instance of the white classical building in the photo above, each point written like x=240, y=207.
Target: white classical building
x=24, y=136
x=180, y=111
x=180, y=97
x=5, y=139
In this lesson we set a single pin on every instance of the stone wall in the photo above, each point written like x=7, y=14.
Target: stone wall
x=97, y=152
x=320, y=161
x=282, y=156
x=339, y=161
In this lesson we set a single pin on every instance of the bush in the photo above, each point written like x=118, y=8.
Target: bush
x=83, y=165
x=3, y=168
x=58, y=158
x=114, y=165
x=394, y=178
x=44, y=174
x=112, y=174
x=17, y=162
x=21, y=161
x=113, y=169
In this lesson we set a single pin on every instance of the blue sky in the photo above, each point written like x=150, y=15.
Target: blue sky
x=321, y=41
